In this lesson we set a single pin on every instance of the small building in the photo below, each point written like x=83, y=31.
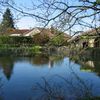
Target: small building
x=32, y=32
x=40, y=36
x=89, y=38
x=15, y=32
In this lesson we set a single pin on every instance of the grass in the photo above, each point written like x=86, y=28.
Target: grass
x=19, y=50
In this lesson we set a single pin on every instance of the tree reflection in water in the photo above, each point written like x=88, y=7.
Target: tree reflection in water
x=56, y=87
x=63, y=88
x=1, y=84
x=7, y=64
x=89, y=61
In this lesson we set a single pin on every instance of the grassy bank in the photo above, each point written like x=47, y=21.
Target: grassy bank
x=27, y=46
x=19, y=51
x=18, y=46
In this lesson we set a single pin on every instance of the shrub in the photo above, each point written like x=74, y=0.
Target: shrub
x=40, y=39
x=57, y=40
x=15, y=40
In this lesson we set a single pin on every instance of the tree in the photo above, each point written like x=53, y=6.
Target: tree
x=64, y=14
x=57, y=40
x=41, y=38
x=7, y=22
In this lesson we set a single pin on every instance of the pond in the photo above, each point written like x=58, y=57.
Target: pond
x=48, y=77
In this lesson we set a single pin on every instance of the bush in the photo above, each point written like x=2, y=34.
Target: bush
x=36, y=49
x=57, y=40
x=41, y=39
x=15, y=40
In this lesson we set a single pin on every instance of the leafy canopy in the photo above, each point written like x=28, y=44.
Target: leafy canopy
x=7, y=21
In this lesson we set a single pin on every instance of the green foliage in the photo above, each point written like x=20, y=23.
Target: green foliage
x=98, y=1
x=7, y=21
x=15, y=40
x=57, y=40
x=18, y=46
x=84, y=37
x=36, y=49
x=41, y=39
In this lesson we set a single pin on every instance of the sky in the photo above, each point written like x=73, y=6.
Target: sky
x=29, y=22
x=21, y=22
x=25, y=22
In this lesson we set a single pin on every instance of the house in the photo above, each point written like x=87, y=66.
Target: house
x=40, y=32
x=18, y=32
x=14, y=32
x=89, y=38
x=38, y=35
x=32, y=32
x=28, y=32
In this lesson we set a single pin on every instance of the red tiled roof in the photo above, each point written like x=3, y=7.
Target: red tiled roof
x=15, y=31
x=43, y=31
x=19, y=31
x=22, y=30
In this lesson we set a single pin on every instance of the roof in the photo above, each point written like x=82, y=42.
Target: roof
x=92, y=32
x=32, y=32
x=38, y=30
x=16, y=31
x=20, y=31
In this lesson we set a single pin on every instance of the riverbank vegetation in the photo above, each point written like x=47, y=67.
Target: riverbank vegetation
x=28, y=46
x=66, y=16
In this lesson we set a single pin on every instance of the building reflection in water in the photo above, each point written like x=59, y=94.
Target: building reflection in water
x=51, y=64
x=88, y=62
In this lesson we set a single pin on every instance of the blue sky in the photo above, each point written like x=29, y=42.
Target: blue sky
x=25, y=22
x=29, y=22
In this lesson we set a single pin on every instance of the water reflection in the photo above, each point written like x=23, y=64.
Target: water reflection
x=40, y=59
x=49, y=77
x=7, y=63
x=64, y=88
x=88, y=63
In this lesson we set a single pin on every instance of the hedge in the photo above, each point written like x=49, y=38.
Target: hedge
x=16, y=40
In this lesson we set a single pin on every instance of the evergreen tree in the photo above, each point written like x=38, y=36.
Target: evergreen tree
x=7, y=21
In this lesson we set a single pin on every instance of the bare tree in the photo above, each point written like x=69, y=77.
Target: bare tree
x=72, y=16
x=66, y=89
x=63, y=14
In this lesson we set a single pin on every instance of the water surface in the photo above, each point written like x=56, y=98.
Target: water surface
x=44, y=77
